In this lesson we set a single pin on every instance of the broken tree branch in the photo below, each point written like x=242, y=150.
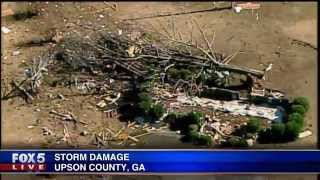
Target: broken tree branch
x=22, y=90
x=212, y=55
x=179, y=13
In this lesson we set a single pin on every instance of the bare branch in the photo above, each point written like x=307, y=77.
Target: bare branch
x=212, y=56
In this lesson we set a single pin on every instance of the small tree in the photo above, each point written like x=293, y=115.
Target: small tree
x=303, y=101
x=254, y=125
x=298, y=109
x=297, y=118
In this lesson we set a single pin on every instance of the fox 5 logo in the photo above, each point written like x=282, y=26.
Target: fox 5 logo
x=38, y=158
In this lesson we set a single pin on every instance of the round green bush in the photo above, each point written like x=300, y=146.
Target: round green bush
x=292, y=131
x=203, y=140
x=235, y=142
x=193, y=128
x=254, y=125
x=303, y=101
x=145, y=102
x=194, y=118
x=296, y=117
x=298, y=109
x=278, y=129
x=157, y=111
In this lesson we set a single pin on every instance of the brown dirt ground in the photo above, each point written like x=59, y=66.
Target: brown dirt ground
x=294, y=71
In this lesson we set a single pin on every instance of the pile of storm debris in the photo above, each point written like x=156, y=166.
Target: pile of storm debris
x=115, y=66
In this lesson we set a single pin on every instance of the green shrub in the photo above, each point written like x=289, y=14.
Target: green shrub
x=277, y=132
x=254, y=125
x=148, y=108
x=241, y=143
x=145, y=106
x=298, y=109
x=193, y=135
x=303, y=101
x=146, y=86
x=193, y=128
x=202, y=140
x=157, y=111
x=278, y=129
x=179, y=73
x=186, y=123
x=190, y=136
x=144, y=96
x=296, y=117
x=176, y=122
x=235, y=142
x=171, y=117
x=185, y=74
x=195, y=118
x=173, y=73
x=292, y=131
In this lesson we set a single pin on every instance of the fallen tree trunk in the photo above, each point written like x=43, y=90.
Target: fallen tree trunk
x=180, y=13
x=241, y=70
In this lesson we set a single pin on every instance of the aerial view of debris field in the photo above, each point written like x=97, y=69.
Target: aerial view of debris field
x=177, y=75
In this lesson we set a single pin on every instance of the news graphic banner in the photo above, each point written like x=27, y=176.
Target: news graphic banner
x=158, y=161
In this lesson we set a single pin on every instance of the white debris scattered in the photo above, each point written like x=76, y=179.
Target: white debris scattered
x=305, y=134
x=250, y=142
x=131, y=51
x=87, y=86
x=46, y=131
x=102, y=104
x=237, y=9
x=113, y=100
x=15, y=53
x=119, y=32
x=246, y=6
x=234, y=107
x=5, y=30
x=84, y=133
